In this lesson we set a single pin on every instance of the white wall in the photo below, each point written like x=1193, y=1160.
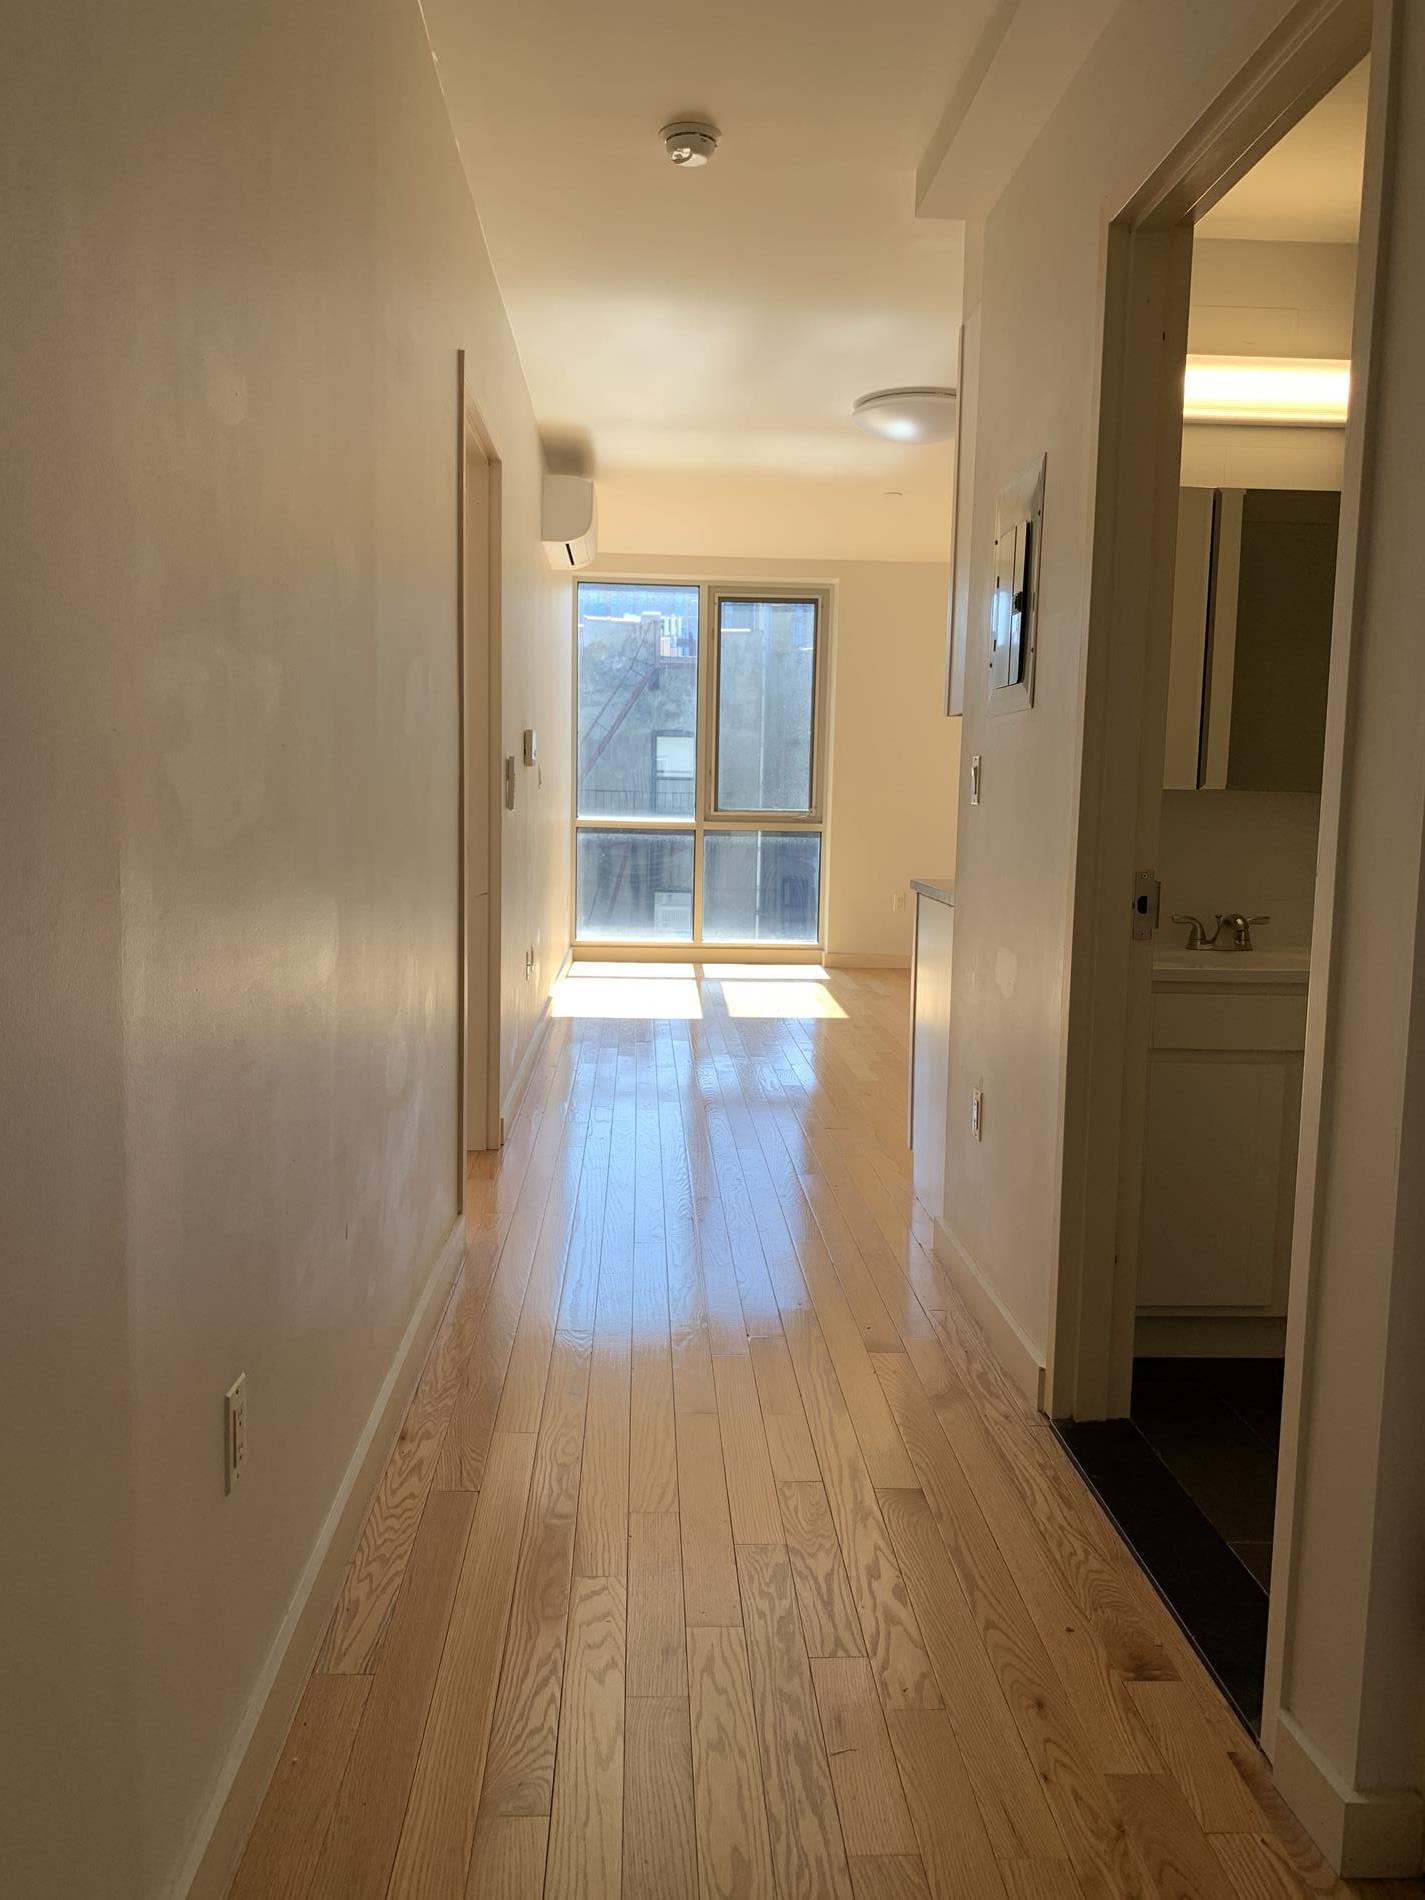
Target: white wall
x=893, y=754
x=1038, y=283
x=1349, y=1623
x=1267, y=299
x=240, y=259
x=1253, y=852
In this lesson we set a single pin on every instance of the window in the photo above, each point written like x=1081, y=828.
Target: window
x=638, y=681
x=697, y=801
x=766, y=689
x=762, y=886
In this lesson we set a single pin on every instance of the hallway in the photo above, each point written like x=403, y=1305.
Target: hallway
x=716, y=1558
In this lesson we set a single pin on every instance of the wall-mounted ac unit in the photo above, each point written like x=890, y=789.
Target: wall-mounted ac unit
x=571, y=521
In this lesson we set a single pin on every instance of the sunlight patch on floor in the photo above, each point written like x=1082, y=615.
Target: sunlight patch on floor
x=764, y=972
x=645, y=998
x=595, y=966
x=787, y=1002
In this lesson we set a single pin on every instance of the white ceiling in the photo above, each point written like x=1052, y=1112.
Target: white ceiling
x=1307, y=188
x=698, y=338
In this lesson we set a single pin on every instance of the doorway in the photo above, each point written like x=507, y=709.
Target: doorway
x=478, y=1117
x=1227, y=506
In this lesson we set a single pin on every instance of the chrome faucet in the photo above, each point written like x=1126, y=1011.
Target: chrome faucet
x=1197, y=938
x=1241, y=928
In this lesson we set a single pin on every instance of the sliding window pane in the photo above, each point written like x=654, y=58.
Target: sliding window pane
x=635, y=886
x=766, y=682
x=638, y=701
x=761, y=886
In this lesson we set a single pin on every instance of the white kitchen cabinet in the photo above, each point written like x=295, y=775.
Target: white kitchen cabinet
x=930, y=1038
x=1224, y=1101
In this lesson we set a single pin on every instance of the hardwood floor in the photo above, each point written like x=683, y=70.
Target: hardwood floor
x=716, y=1561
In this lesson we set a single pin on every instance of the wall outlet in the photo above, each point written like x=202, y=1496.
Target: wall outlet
x=897, y=900
x=234, y=1431
x=977, y=1114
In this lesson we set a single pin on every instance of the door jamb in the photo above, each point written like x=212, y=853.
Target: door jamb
x=472, y=430
x=1090, y=1347
x=1089, y=1357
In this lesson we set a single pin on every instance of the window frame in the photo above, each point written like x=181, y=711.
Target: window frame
x=705, y=816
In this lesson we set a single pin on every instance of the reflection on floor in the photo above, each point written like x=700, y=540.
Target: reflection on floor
x=716, y=1554
x=1190, y=1479
x=651, y=992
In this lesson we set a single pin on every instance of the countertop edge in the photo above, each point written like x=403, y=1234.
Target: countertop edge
x=940, y=889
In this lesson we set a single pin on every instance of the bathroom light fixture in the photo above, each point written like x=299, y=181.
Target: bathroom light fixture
x=907, y=415
x=689, y=142
x=1289, y=391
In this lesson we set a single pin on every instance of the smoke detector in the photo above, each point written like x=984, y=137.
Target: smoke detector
x=689, y=142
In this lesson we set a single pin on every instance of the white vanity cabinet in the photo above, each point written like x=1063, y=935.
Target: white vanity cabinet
x=930, y=1038
x=1224, y=1101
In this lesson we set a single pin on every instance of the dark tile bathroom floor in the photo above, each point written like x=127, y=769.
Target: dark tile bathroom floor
x=1190, y=1480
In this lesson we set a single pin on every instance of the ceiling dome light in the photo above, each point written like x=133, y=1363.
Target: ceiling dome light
x=907, y=415
x=689, y=142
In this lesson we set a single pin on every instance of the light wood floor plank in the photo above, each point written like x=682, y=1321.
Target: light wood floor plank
x=1040, y=1880
x=775, y=1585
x=709, y=1572
x=869, y=1797
x=433, y=1857
x=1009, y=1793
x=888, y=1877
x=519, y=1767
x=657, y=1640
x=509, y=1856
x=734, y=1853
x=892, y=1635
x=601, y=1536
x=751, y=1491
x=282, y=1851
x=1168, y=1840
x=830, y=1624
x=1256, y=1869
x=360, y=1843
x=955, y=1847
x=1193, y=1755
x=653, y=1457
x=789, y=1443
x=802, y=1818
x=586, y=1826
x=659, y=1841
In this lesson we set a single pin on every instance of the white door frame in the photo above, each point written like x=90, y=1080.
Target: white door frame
x=478, y=662
x=1105, y=1079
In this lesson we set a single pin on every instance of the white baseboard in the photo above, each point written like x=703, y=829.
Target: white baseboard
x=865, y=960
x=1365, y=1834
x=1016, y=1353
x=519, y=1082
x=227, y=1820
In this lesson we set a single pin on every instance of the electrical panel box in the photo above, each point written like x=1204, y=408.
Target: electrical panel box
x=1014, y=603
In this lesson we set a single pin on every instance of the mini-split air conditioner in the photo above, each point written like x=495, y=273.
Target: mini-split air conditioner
x=571, y=521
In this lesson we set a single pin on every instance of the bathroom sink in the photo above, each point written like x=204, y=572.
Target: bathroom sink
x=1257, y=965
